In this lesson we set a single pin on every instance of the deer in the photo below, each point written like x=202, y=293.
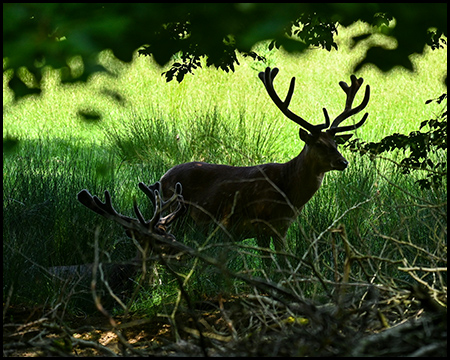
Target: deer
x=263, y=201
x=151, y=237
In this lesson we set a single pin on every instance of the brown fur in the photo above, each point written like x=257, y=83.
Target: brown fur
x=257, y=201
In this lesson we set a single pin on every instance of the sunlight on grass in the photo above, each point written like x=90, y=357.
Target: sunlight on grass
x=396, y=103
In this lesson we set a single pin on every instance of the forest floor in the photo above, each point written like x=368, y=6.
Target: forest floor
x=402, y=324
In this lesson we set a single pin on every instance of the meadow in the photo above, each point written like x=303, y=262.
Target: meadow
x=370, y=213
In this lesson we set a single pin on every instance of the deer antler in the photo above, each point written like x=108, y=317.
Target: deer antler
x=153, y=192
x=156, y=225
x=348, y=111
x=267, y=78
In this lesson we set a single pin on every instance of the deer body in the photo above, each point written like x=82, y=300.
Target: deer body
x=257, y=201
x=231, y=201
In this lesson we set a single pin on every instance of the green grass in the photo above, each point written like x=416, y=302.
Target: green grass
x=216, y=117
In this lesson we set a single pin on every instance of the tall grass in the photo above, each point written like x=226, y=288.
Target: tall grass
x=214, y=117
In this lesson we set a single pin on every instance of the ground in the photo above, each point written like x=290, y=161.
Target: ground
x=248, y=325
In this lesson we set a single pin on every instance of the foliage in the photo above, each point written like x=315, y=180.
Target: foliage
x=421, y=145
x=40, y=35
x=314, y=31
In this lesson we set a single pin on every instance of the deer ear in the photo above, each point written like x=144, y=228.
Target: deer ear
x=305, y=136
x=341, y=139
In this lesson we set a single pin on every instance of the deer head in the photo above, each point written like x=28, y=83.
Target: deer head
x=321, y=139
x=153, y=232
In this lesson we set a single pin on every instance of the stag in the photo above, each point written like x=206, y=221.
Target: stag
x=152, y=237
x=262, y=201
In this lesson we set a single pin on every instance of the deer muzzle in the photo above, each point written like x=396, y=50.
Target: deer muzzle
x=340, y=164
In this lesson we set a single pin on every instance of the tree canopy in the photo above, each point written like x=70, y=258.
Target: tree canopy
x=37, y=35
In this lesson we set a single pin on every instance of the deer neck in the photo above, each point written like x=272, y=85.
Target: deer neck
x=304, y=178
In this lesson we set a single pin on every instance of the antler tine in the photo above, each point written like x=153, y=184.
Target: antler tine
x=167, y=220
x=138, y=213
x=157, y=214
x=107, y=205
x=150, y=190
x=175, y=197
x=87, y=200
x=104, y=208
x=153, y=192
x=267, y=78
x=161, y=223
x=348, y=111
